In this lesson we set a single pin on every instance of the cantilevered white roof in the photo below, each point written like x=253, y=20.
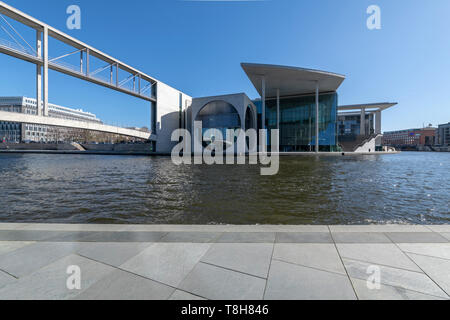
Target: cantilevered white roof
x=290, y=80
x=370, y=106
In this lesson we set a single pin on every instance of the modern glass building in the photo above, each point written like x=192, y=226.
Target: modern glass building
x=301, y=103
x=298, y=122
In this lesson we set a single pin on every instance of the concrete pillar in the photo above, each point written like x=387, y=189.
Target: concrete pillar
x=317, y=116
x=117, y=75
x=362, y=130
x=278, y=109
x=45, y=75
x=39, y=73
x=81, y=61
x=378, y=122
x=263, y=99
x=87, y=63
x=139, y=84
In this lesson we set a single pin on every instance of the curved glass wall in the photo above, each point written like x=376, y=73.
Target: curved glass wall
x=218, y=115
x=298, y=122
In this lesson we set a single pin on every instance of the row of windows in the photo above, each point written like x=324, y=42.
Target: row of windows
x=10, y=127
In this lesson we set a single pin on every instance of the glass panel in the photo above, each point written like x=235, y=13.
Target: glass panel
x=298, y=122
x=219, y=115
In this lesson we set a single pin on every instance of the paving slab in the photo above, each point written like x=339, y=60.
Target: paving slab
x=26, y=235
x=321, y=256
x=438, y=250
x=440, y=228
x=416, y=237
x=220, y=228
x=168, y=263
x=436, y=268
x=279, y=228
x=28, y=259
x=184, y=296
x=225, y=261
x=8, y=246
x=216, y=283
x=71, y=236
x=50, y=282
x=6, y=279
x=247, y=237
x=387, y=292
x=292, y=282
x=303, y=237
x=191, y=237
x=124, y=236
x=360, y=237
x=379, y=254
x=111, y=253
x=121, y=285
x=250, y=258
x=72, y=227
x=409, y=280
x=11, y=226
x=380, y=228
x=176, y=228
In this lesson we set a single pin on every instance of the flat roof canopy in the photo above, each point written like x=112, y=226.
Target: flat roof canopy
x=381, y=106
x=291, y=80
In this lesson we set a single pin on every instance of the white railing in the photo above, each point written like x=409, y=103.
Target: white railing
x=14, y=46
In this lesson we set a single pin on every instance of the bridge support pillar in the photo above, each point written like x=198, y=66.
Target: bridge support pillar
x=39, y=73
x=45, y=61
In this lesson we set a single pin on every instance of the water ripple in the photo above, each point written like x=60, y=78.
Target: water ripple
x=404, y=188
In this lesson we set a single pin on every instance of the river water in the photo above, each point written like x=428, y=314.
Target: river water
x=410, y=187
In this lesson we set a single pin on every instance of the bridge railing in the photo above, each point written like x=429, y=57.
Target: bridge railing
x=65, y=65
x=14, y=46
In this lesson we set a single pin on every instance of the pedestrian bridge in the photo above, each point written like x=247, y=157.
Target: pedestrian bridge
x=113, y=74
x=57, y=122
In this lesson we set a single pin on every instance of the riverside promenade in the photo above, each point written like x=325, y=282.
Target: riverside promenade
x=224, y=262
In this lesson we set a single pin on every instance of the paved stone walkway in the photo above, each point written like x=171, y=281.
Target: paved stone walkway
x=224, y=262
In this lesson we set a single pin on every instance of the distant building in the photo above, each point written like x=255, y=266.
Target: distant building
x=410, y=137
x=23, y=132
x=443, y=135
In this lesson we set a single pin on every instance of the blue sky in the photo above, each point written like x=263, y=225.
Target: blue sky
x=197, y=47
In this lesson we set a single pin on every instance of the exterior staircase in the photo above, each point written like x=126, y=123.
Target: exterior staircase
x=77, y=146
x=354, y=143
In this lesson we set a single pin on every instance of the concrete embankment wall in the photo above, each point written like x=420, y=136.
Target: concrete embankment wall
x=140, y=148
x=90, y=148
x=37, y=146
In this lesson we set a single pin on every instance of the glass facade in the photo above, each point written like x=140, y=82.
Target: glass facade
x=350, y=125
x=298, y=122
x=218, y=115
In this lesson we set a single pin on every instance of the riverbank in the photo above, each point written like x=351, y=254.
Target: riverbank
x=140, y=153
x=87, y=152
x=75, y=148
x=224, y=261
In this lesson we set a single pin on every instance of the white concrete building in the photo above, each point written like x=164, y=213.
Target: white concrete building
x=23, y=132
x=220, y=113
x=169, y=114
